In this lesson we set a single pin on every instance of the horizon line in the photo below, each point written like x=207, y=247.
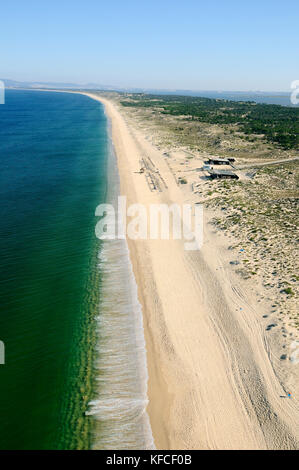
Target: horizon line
x=128, y=88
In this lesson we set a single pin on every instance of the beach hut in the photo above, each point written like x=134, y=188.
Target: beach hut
x=224, y=174
x=218, y=161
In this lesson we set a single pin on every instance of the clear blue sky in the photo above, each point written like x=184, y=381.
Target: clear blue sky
x=186, y=44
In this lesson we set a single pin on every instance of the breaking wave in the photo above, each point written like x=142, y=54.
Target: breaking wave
x=119, y=406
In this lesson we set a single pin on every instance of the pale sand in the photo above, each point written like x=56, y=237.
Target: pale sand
x=211, y=381
x=212, y=384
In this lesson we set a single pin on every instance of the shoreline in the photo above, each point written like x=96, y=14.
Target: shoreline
x=212, y=382
x=119, y=403
x=154, y=377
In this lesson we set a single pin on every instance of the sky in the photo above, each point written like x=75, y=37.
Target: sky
x=166, y=44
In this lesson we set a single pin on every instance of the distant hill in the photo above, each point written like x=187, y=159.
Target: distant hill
x=274, y=97
x=88, y=86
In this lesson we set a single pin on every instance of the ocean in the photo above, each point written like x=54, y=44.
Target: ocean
x=280, y=98
x=75, y=372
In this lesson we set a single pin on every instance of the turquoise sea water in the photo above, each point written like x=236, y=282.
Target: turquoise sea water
x=53, y=157
x=75, y=374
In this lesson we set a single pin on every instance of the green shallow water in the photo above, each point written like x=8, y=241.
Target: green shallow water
x=53, y=154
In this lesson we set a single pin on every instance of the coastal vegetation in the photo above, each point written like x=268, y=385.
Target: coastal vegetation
x=258, y=212
x=260, y=219
x=273, y=123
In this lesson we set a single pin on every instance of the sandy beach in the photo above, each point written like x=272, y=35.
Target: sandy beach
x=216, y=380
x=212, y=384
x=150, y=200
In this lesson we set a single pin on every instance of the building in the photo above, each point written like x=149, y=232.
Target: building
x=218, y=161
x=207, y=167
x=214, y=174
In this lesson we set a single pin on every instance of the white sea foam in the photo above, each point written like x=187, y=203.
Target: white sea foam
x=119, y=408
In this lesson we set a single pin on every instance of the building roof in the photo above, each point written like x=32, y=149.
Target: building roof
x=222, y=173
x=216, y=159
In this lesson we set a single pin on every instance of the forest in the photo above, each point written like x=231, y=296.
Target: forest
x=275, y=123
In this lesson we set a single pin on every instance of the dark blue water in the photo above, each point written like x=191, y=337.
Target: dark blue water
x=282, y=98
x=53, y=157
